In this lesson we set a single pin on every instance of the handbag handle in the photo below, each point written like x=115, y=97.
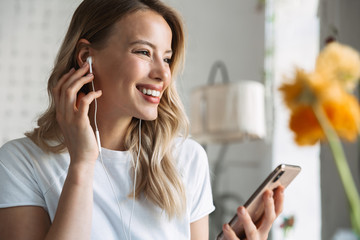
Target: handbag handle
x=218, y=65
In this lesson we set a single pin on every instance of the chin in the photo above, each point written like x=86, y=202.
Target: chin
x=151, y=118
x=148, y=117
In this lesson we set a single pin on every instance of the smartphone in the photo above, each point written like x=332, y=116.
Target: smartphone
x=282, y=175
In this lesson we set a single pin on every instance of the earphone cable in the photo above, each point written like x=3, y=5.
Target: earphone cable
x=135, y=173
x=113, y=190
x=95, y=111
x=103, y=165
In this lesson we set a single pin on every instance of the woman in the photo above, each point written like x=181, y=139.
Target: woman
x=142, y=180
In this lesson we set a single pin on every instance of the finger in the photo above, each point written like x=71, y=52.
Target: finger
x=229, y=233
x=65, y=90
x=269, y=212
x=75, y=76
x=76, y=85
x=57, y=93
x=71, y=94
x=56, y=89
x=65, y=81
x=79, y=97
x=249, y=226
x=279, y=200
x=68, y=92
x=84, y=102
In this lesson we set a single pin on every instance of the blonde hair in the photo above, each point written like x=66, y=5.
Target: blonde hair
x=158, y=178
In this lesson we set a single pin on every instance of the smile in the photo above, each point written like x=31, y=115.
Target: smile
x=150, y=92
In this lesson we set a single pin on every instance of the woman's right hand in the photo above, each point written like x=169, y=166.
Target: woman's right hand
x=73, y=216
x=72, y=114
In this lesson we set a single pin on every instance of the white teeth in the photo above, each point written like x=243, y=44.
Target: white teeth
x=150, y=92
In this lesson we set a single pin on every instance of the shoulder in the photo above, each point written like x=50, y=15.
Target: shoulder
x=190, y=155
x=20, y=149
x=23, y=155
x=194, y=170
x=20, y=144
x=18, y=154
x=19, y=174
x=189, y=148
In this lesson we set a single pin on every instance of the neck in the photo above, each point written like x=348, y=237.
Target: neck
x=112, y=129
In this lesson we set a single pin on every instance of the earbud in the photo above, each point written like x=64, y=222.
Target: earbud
x=89, y=60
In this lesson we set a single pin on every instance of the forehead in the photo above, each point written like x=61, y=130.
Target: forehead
x=144, y=24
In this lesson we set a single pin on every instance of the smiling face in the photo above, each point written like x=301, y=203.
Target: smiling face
x=132, y=69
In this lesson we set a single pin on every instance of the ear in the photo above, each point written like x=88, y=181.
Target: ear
x=83, y=50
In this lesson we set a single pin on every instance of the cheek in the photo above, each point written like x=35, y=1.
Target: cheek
x=132, y=69
x=169, y=80
x=119, y=72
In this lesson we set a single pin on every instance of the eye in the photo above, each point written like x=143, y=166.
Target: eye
x=168, y=60
x=143, y=52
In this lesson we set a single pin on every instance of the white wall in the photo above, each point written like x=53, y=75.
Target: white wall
x=30, y=35
x=231, y=31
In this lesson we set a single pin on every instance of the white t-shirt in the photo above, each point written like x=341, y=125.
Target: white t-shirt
x=31, y=177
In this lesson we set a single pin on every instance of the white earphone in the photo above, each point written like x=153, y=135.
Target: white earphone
x=89, y=60
x=97, y=133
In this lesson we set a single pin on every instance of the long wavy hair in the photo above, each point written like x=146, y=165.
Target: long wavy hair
x=157, y=177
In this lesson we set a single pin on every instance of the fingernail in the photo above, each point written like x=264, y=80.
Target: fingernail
x=84, y=64
x=271, y=194
x=226, y=226
x=71, y=70
x=242, y=210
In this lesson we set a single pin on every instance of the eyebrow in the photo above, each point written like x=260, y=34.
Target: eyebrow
x=147, y=43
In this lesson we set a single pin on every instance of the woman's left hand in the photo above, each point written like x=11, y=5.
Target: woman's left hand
x=273, y=203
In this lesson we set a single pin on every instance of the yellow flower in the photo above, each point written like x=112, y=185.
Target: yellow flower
x=341, y=63
x=344, y=115
x=308, y=88
x=316, y=89
x=342, y=111
x=298, y=92
x=305, y=125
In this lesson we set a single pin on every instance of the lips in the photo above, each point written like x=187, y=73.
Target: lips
x=151, y=93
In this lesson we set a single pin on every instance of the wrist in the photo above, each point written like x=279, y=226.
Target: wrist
x=81, y=173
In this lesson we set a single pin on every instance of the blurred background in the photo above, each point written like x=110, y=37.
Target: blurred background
x=256, y=40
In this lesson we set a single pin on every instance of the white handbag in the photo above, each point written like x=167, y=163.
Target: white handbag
x=228, y=111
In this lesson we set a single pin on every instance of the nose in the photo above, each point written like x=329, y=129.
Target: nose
x=160, y=70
